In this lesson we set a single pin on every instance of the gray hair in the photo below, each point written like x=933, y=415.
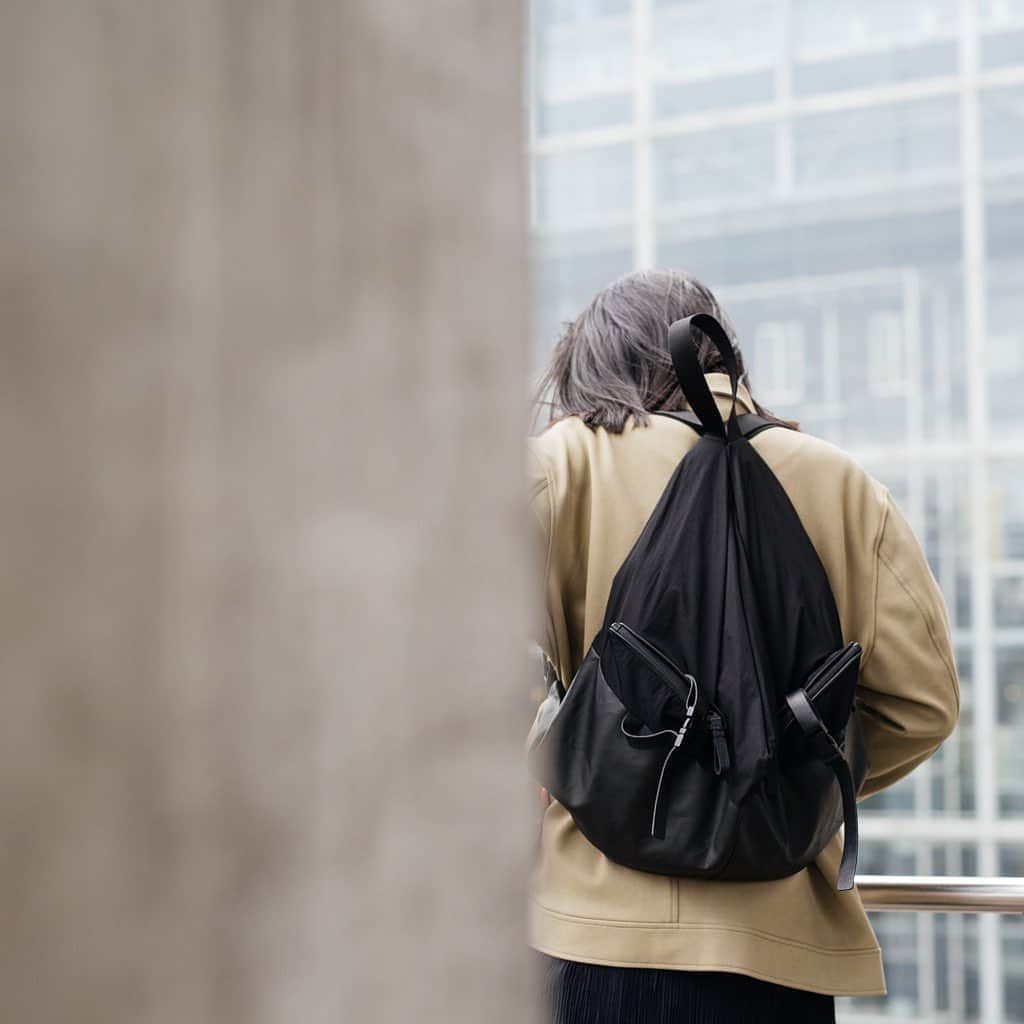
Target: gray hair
x=612, y=362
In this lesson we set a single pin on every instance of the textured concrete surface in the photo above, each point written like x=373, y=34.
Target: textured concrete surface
x=262, y=353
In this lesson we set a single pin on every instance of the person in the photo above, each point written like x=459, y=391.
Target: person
x=619, y=945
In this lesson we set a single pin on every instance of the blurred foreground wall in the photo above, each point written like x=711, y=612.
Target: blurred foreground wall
x=261, y=371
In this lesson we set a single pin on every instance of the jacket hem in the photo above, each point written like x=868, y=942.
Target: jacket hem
x=679, y=947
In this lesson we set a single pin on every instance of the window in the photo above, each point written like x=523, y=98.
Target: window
x=582, y=187
x=779, y=348
x=886, y=356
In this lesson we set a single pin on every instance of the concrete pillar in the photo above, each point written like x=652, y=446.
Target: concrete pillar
x=262, y=377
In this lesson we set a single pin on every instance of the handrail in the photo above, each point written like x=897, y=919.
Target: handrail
x=938, y=893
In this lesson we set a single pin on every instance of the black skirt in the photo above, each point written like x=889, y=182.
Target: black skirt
x=576, y=993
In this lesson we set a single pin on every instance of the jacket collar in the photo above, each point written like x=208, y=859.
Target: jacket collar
x=721, y=388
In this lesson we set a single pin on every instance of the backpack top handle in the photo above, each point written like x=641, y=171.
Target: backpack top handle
x=682, y=347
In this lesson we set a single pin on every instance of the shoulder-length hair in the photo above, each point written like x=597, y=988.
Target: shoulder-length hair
x=612, y=362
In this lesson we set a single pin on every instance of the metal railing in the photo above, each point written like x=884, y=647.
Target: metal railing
x=937, y=893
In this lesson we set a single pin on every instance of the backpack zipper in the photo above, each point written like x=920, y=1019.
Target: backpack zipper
x=821, y=685
x=659, y=663
x=680, y=682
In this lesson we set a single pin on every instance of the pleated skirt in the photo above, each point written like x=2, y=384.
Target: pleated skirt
x=578, y=993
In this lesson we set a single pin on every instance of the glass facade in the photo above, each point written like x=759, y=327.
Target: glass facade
x=849, y=178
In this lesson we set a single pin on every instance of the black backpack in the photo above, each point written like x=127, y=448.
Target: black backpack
x=712, y=729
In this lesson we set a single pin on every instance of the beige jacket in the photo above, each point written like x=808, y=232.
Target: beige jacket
x=591, y=493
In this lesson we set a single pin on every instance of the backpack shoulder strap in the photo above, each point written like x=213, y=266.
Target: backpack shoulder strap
x=682, y=347
x=750, y=424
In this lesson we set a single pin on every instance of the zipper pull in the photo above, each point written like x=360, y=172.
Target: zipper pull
x=721, y=747
x=691, y=708
x=683, y=730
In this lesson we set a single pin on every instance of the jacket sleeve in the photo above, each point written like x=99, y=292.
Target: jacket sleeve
x=909, y=690
x=541, y=538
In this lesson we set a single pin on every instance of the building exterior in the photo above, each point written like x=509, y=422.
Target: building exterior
x=849, y=178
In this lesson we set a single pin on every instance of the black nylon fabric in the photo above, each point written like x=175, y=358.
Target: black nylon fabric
x=688, y=586
x=674, y=748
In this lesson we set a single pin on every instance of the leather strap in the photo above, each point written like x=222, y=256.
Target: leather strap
x=824, y=747
x=682, y=347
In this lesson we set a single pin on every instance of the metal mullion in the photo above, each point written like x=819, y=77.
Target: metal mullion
x=975, y=316
x=761, y=113
x=831, y=369
x=643, y=171
x=785, y=169
x=911, y=372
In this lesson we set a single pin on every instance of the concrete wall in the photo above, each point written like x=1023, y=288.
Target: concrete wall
x=262, y=362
